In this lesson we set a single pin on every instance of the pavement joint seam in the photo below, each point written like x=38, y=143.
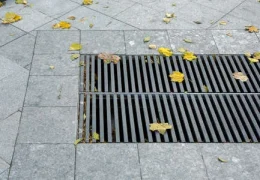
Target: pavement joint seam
x=214, y=41
x=168, y=35
x=10, y=114
x=140, y=166
x=5, y=171
x=203, y=160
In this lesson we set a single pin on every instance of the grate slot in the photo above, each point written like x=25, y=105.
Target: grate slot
x=151, y=75
x=204, y=75
x=165, y=74
x=183, y=69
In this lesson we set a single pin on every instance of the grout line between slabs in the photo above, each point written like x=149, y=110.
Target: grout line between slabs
x=140, y=166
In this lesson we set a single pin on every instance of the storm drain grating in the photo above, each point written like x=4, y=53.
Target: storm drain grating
x=120, y=101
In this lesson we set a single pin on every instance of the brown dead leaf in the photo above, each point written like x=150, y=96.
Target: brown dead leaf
x=240, y=76
x=252, y=29
x=160, y=127
x=229, y=34
x=71, y=18
x=108, y=58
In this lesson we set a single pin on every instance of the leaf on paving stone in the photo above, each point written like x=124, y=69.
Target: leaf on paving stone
x=229, y=34
x=182, y=50
x=1, y=4
x=95, y=136
x=189, y=56
x=188, y=40
x=252, y=29
x=52, y=67
x=62, y=25
x=239, y=75
x=197, y=22
x=75, y=47
x=83, y=19
x=222, y=160
x=167, y=20
x=74, y=56
x=160, y=127
x=206, y=89
x=21, y=2
x=87, y=2
x=147, y=39
x=169, y=15
x=78, y=141
x=108, y=58
x=71, y=18
x=165, y=51
x=106, y=7
x=248, y=54
x=91, y=25
x=173, y=4
x=11, y=17
x=222, y=22
x=152, y=46
x=177, y=76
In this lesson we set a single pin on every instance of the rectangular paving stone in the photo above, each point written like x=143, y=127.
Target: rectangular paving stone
x=43, y=161
x=171, y=161
x=55, y=42
x=243, y=161
x=4, y=175
x=107, y=161
x=95, y=42
x=20, y=50
x=62, y=63
x=202, y=41
x=240, y=42
x=9, y=33
x=44, y=124
x=3, y=166
x=135, y=41
x=52, y=91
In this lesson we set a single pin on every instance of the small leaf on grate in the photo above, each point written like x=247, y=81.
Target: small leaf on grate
x=165, y=51
x=78, y=141
x=177, y=76
x=189, y=56
x=160, y=127
x=96, y=136
x=239, y=75
x=222, y=160
x=108, y=58
x=206, y=89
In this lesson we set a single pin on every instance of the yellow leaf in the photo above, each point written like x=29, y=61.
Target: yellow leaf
x=78, y=141
x=177, y=76
x=257, y=55
x=75, y=47
x=108, y=58
x=1, y=4
x=96, y=136
x=222, y=22
x=187, y=40
x=253, y=60
x=252, y=29
x=11, y=17
x=74, y=56
x=240, y=76
x=21, y=2
x=62, y=25
x=147, y=39
x=182, y=50
x=189, y=56
x=52, y=67
x=152, y=46
x=206, y=89
x=71, y=18
x=161, y=127
x=166, y=20
x=165, y=51
x=248, y=54
x=84, y=116
x=91, y=25
x=87, y=2
x=222, y=160
x=169, y=15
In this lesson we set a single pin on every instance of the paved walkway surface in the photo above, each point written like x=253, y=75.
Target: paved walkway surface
x=38, y=122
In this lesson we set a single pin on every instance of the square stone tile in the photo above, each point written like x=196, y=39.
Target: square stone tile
x=107, y=161
x=8, y=133
x=135, y=41
x=42, y=125
x=240, y=42
x=62, y=63
x=243, y=161
x=3, y=166
x=55, y=42
x=9, y=33
x=202, y=41
x=171, y=161
x=43, y=161
x=20, y=50
x=85, y=17
x=52, y=91
x=164, y=5
x=4, y=175
x=54, y=8
x=95, y=42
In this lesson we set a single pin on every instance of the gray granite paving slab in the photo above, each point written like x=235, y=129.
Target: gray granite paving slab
x=258, y=35
x=52, y=91
x=202, y=41
x=9, y=33
x=85, y=17
x=48, y=125
x=43, y=161
x=12, y=92
x=243, y=161
x=4, y=175
x=54, y=8
x=240, y=42
x=3, y=166
x=8, y=133
x=20, y=50
x=135, y=41
x=96, y=42
x=62, y=63
x=146, y=18
x=107, y=161
x=171, y=161
x=55, y=42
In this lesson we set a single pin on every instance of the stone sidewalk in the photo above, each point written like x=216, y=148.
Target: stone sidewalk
x=38, y=106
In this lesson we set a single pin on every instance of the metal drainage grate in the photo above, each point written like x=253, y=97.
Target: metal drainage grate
x=120, y=101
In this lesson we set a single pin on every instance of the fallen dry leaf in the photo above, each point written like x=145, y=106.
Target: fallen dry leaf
x=167, y=20
x=229, y=34
x=160, y=127
x=147, y=39
x=253, y=58
x=11, y=17
x=252, y=29
x=188, y=40
x=21, y=2
x=177, y=76
x=77, y=141
x=197, y=22
x=87, y=2
x=74, y=56
x=222, y=22
x=152, y=46
x=239, y=75
x=71, y=18
x=62, y=25
x=189, y=56
x=165, y=51
x=1, y=4
x=169, y=15
x=222, y=160
x=206, y=89
x=108, y=58
x=83, y=19
x=182, y=50
x=95, y=136
x=247, y=54
x=52, y=67
x=75, y=47
x=91, y=25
